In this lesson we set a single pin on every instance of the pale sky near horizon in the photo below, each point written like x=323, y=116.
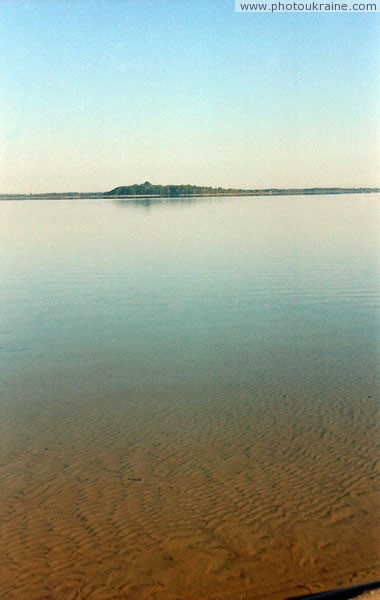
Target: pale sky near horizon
x=100, y=93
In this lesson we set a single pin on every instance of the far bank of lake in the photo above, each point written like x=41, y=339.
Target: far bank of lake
x=183, y=191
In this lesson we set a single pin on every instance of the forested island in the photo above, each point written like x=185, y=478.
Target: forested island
x=150, y=190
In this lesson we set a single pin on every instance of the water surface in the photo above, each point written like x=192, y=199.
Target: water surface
x=189, y=400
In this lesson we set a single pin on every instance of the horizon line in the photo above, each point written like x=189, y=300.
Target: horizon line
x=219, y=189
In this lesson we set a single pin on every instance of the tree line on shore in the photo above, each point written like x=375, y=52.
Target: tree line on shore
x=149, y=189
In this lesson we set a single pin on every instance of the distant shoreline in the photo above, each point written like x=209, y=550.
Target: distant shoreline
x=224, y=193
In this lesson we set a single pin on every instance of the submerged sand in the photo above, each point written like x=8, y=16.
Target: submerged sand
x=170, y=497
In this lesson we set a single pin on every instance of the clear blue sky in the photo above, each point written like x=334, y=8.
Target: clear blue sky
x=95, y=94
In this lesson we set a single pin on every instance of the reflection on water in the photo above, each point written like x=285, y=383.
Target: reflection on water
x=189, y=388
x=156, y=202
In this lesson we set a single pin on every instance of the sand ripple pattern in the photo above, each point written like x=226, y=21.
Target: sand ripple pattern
x=256, y=493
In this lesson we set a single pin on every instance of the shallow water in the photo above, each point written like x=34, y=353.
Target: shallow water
x=189, y=399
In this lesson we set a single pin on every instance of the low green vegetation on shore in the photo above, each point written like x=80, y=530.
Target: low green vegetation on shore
x=149, y=190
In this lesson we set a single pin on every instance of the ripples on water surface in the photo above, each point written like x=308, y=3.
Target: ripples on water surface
x=189, y=402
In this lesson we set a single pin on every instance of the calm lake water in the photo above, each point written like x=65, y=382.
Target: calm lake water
x=189, y=397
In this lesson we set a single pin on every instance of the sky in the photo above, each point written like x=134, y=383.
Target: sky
x=100, y=93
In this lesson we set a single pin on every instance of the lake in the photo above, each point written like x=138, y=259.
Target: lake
x=189, y=397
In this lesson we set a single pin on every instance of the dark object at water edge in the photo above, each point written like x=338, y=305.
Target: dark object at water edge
x=341, y=594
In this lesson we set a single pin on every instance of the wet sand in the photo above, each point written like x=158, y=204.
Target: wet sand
x=168, y=496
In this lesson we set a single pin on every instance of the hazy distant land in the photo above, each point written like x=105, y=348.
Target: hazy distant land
x=149, y=190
